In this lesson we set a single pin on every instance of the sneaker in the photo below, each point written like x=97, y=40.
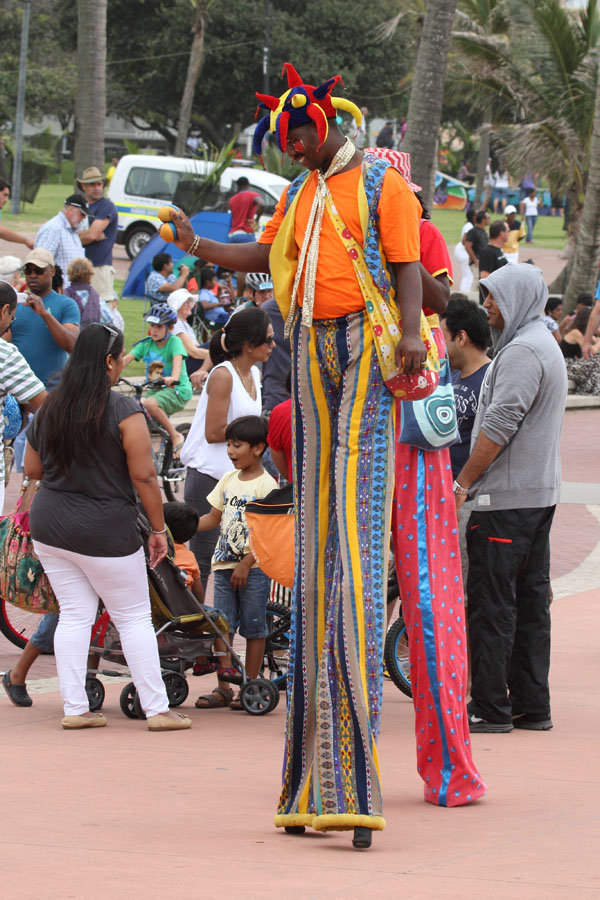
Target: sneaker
x=532, y=723
x=482, y=726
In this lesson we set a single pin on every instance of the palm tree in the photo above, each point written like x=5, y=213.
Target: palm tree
x=90, y=98
x=427, y=94
x=538, y=79
x=584, y=272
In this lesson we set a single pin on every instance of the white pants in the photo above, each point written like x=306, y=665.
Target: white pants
x=466, y=277
x=512, y=257
x=78, y=581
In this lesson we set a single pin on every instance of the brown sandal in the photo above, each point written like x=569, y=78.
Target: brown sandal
x=219, y=699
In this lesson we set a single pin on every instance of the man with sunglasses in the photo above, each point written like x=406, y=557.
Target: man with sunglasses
x=46, y=326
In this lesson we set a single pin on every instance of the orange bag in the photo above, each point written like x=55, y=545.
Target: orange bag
x=271, y=526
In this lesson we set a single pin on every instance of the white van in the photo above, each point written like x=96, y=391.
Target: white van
x=142, y=184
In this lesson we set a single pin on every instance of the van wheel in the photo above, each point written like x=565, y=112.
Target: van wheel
x=137, y=239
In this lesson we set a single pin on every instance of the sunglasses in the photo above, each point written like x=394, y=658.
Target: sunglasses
x=113, y=336
x=30, y=269
x=270, y=341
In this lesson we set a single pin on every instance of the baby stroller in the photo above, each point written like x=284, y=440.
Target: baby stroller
x=185, y=629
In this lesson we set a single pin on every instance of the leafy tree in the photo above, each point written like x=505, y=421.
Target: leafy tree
x=195, y=63
x=584, y=272
x=51, y=68
x=538, y=80
x=320, y=39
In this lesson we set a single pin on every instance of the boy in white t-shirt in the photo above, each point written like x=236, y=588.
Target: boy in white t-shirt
x=241, y=589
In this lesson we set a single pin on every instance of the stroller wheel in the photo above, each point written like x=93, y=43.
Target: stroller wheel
x=95, y=692
x=129, y=703
x=259, y=697
x=177, y=688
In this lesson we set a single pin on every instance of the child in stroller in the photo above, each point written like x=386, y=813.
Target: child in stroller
x=185, y=629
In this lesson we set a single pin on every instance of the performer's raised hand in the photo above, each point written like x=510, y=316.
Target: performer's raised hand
x=185, y=231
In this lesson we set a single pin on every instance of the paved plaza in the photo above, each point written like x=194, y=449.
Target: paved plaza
x=123, y=812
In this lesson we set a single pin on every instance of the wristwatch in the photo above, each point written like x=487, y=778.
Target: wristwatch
x=459, y=489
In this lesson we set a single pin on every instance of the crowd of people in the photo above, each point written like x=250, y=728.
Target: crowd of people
x=350, y=240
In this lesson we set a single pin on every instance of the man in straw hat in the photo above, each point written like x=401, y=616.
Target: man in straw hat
x=342, y=439
x=100, y=237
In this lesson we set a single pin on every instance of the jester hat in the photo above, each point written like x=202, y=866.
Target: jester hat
x=300, y=105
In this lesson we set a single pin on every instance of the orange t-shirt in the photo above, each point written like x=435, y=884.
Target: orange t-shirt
x=186, y=560
x=336, y=290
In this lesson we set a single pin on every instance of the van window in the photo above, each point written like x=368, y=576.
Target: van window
x=157, y=183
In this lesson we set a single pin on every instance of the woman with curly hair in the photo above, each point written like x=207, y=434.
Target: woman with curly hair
x=80, y=272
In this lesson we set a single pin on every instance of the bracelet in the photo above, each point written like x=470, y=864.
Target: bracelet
x=459, y=489
x=194, y=245
x=154, y=531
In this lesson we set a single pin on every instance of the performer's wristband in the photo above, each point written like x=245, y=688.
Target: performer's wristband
x=194, y=245
x=459, y=489
x=162, y=531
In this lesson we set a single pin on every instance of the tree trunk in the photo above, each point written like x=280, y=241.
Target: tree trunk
x=482, y=158
x=195, y=63
x=90, y=100
x=427, y=93
x=584, y=272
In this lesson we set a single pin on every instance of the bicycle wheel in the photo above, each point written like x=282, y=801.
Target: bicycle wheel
x=396, y=656
x=277, y=644
x=16, y=624
x=173, y=472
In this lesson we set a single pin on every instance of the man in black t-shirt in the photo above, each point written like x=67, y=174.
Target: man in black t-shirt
x=476, y=239
x=492, y=257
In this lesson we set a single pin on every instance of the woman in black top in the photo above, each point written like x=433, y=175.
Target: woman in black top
x=90, y=447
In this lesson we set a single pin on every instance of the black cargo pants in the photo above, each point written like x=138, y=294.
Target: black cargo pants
x=509, y=612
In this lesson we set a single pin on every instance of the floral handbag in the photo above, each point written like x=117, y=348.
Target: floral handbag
x=23, y=581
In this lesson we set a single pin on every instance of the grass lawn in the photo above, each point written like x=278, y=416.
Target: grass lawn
x=548, y=229
x=132, y=311
x=50, y=198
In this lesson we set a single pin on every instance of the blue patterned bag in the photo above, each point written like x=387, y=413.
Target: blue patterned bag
x=431, y=424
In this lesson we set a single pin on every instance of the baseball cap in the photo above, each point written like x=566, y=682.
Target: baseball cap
x=77, y=200
x=40, y=258
x=178, y=298
x=510, y=209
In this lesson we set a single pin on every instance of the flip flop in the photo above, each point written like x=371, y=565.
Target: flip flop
x=177, y=448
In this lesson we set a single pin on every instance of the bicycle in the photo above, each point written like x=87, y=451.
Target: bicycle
x=170, y=471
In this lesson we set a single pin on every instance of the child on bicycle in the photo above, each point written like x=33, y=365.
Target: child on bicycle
x=182, y=521
x=162, y=346
x=241, y=589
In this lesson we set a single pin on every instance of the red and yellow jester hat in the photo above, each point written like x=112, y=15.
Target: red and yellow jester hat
x=300, y=105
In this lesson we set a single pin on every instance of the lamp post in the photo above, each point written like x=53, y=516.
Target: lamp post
x=18, y=151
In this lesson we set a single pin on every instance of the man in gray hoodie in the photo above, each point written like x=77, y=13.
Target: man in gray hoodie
x=513, y=476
